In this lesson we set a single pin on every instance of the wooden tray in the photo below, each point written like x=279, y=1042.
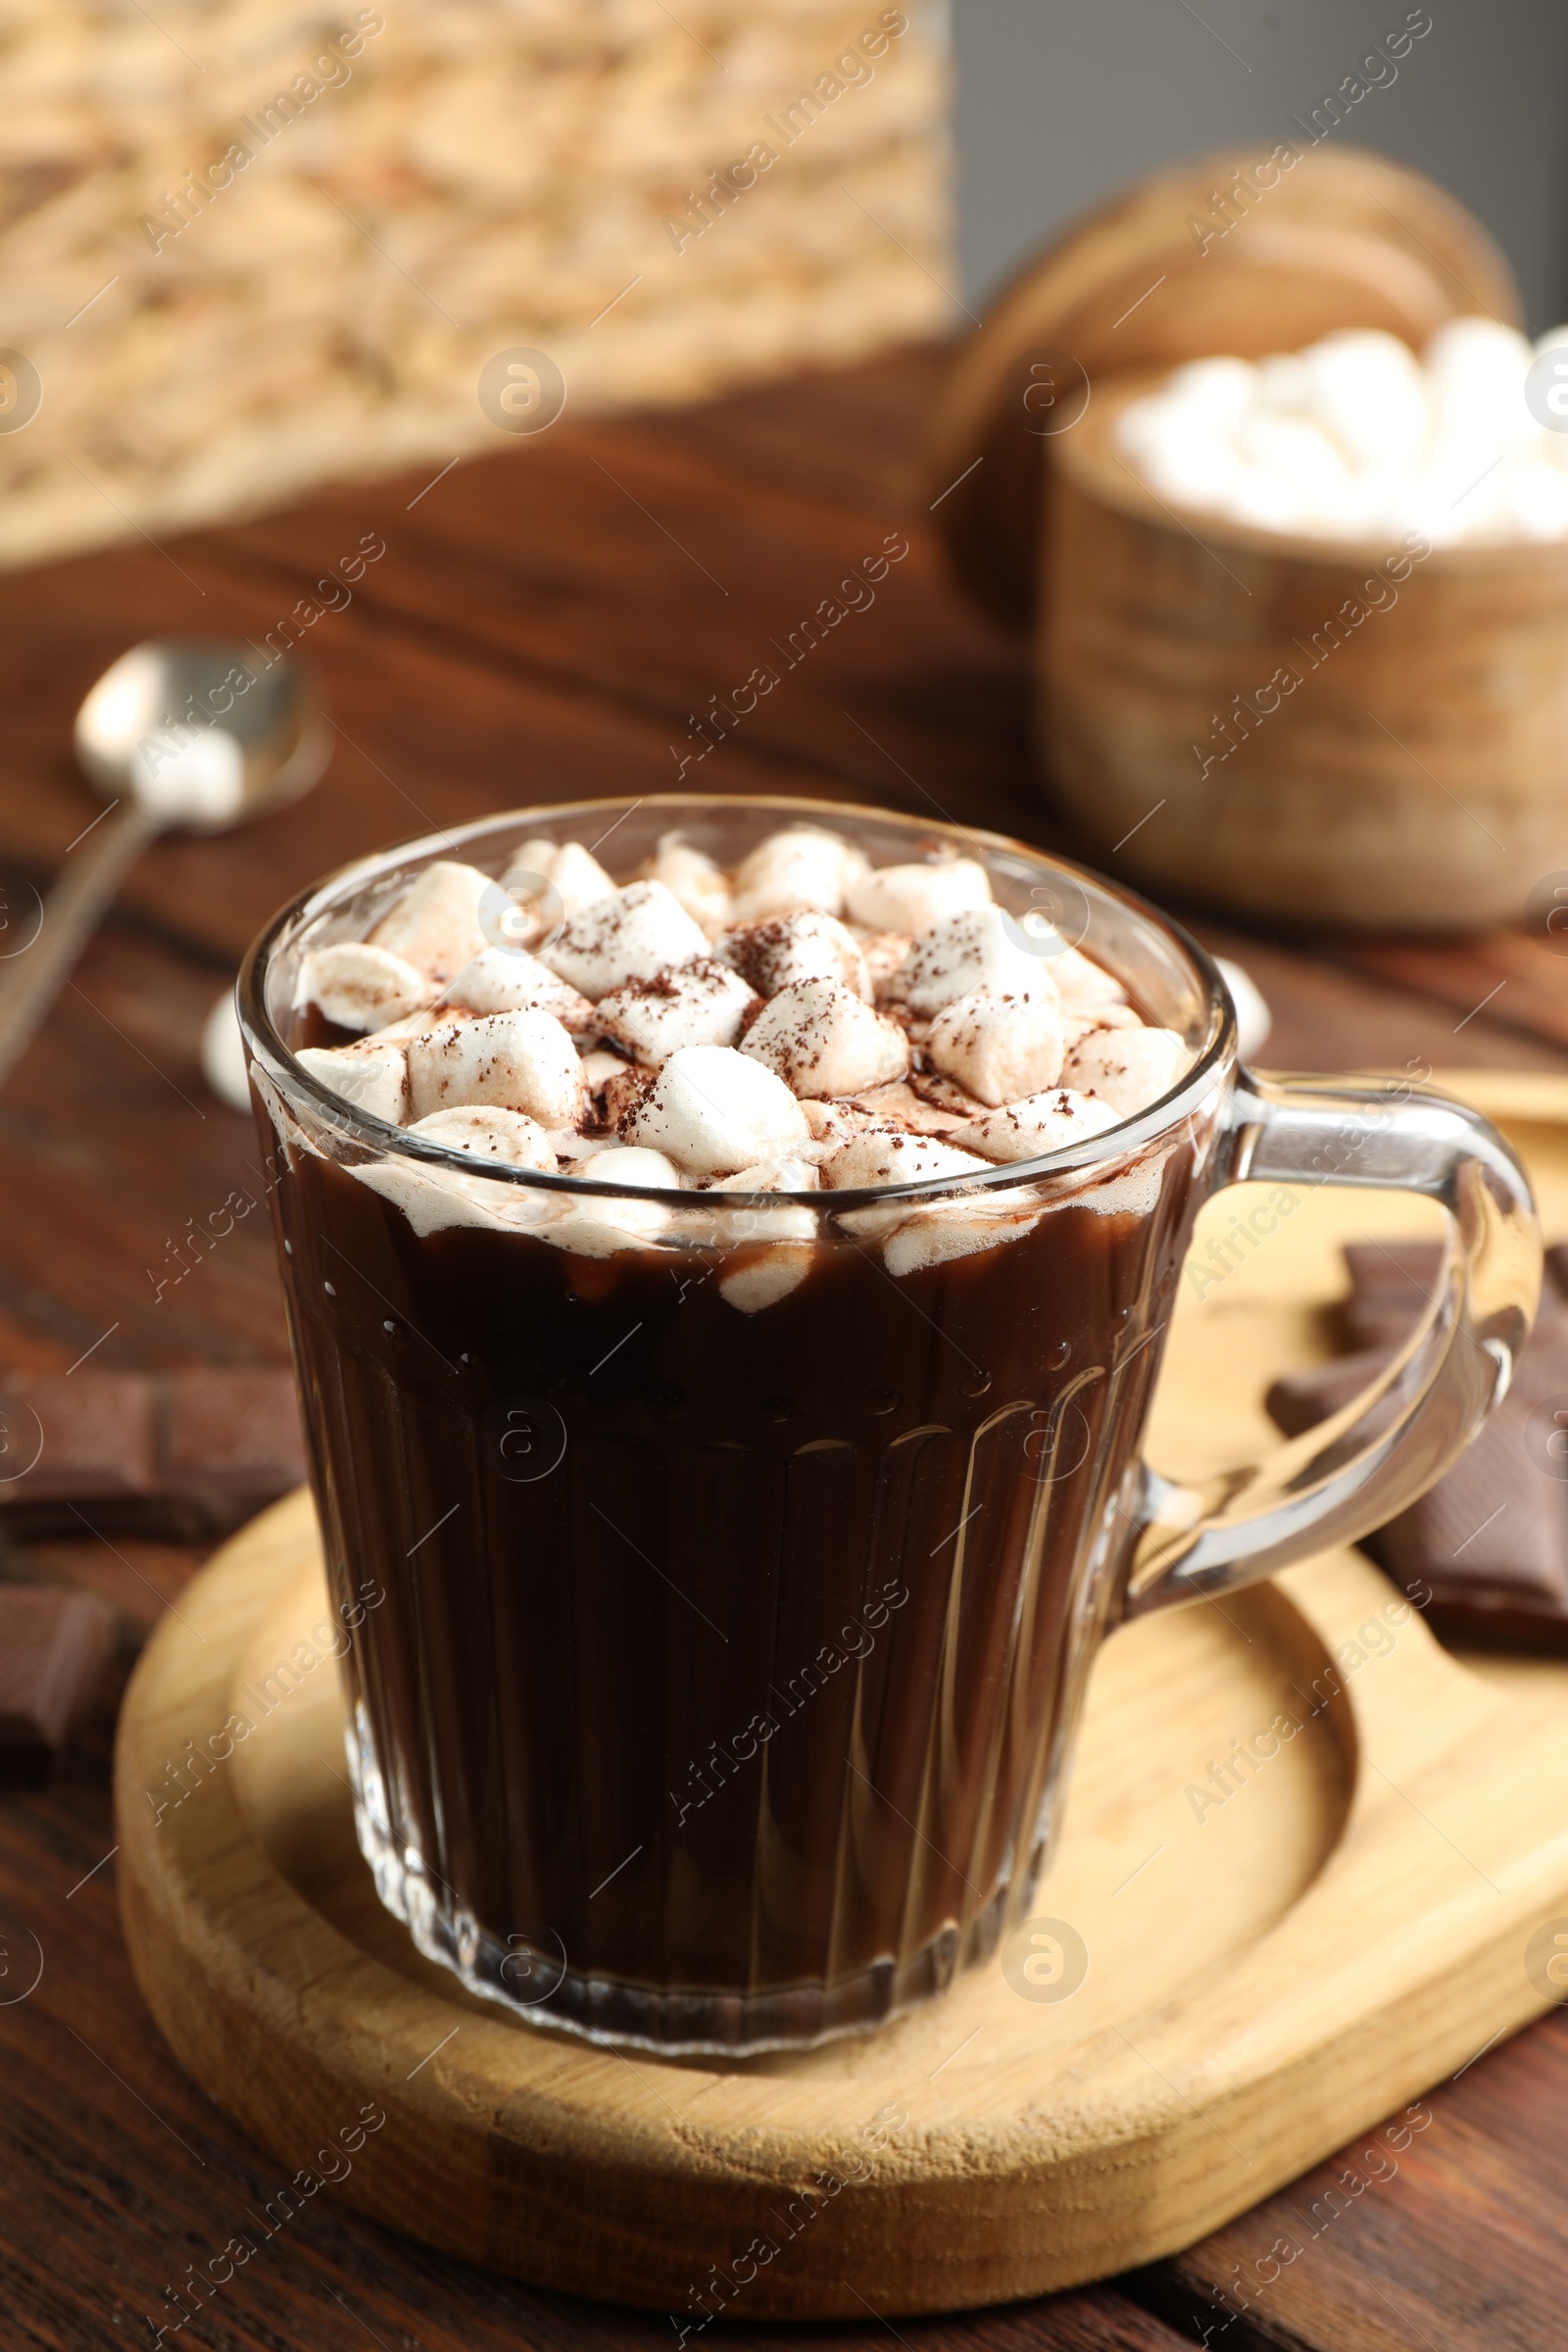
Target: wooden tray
x=1266, y=1975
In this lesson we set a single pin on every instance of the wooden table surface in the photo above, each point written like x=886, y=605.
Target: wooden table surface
x=542, y=624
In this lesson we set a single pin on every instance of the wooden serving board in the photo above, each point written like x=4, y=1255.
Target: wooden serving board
x=1261, y=1977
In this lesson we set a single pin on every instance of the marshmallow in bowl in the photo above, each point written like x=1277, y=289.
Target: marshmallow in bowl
x=911, y=897
x=488, y=1132
x=892, y=1156
x=806, y=944
x=976, y=948
x=1128, y=1068
x=803, y=866
x=701, y=1003
x=371, y=1077
x=633, y=934
x=1357, y=439
x=804, y=1027
x=1039, y=1123
x=998, y=1045
x=822, y=1040
x=573, y=873
x=1082, y=983
x=511, y=980
x=358, y=986
x=517, y=1060
x=690, y=875
x=715, y=1111
x=435, y=924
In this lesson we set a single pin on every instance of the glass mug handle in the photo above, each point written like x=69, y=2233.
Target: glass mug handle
x=1356, y=1469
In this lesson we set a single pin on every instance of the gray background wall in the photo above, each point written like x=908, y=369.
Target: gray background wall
x=1060, y=101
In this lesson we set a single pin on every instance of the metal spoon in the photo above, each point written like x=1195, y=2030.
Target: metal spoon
x=184, y=736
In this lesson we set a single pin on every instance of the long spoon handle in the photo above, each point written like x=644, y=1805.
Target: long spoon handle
x=36, y=957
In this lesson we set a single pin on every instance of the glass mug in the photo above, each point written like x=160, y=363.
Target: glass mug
x=744, y=1556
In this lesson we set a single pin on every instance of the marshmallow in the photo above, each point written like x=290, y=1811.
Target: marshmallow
x=823, y=1041
x=977, y=949
x=690, y=875
x=806, y=944
x=1001, y=1047
x=696, y=1004
x=1128, y=1068
x=511, y=980
x=573, y=873
x=784, y=1237
x=803, y=866
x=519, y=1060
x=713, y=1110
x=892, y=1156
x=784, y=1175
x=911, y=897
x=630, y=935
x=1082, y=983
x=490, y=1133
x=599, y=1229
x=935, y=1233
x=1037, y=1124
x=372, y=1077
x=762, y=1280
x=360, y=987
x=436, y=1198
x=631, y=1163
x=884, y=952
x=621, y=1092
x=1353, y=439
x=436, y=923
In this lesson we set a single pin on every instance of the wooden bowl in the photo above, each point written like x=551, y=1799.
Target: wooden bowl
x=1223, y=726
x=1341, y=238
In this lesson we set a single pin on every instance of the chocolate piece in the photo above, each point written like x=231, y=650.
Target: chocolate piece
x=1392, y=1285
x=198, y=1449
x=1486, y=1550
x=53, y=1644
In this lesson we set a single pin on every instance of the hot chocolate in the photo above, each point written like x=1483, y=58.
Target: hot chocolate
x=731, y=1369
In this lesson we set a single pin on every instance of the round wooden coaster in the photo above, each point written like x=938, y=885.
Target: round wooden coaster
x=1217, y=1990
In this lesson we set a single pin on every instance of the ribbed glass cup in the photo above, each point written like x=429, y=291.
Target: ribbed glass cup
x=731, y=1589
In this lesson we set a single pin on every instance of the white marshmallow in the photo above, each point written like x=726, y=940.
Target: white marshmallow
x=600, y=1229
x=511, y=980
x=1037, y=1124
x=696, y=1004
x=690, y=875
x=803, y=866
x=1000, y=1046
x=1082, y=983
x=911, y=897
x=713, y=1110
x=806, y=944
x=822, y=1040
x=631, y=1163
x=490, y=1133
x=977, y=949
x=519, y=1060
x=436, y=923
x=884, y=952
x=436, y=1198
x=630, y=935
x=933, y=1235
x=762, y=1280
x=1128, y=1068
x=573, y=874
x=373, y=1078
x=785, y=1175
x=360, y=987
x=892, y=1156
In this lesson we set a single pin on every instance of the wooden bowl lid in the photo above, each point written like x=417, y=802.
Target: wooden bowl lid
x=1342, y=238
